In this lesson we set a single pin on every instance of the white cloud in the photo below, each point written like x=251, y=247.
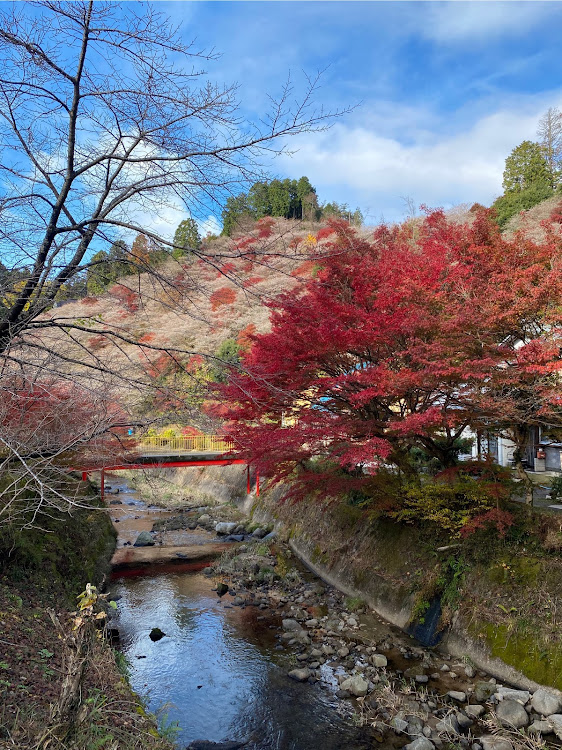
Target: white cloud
x=365, y=165
x=210, y=225
x=459, y=20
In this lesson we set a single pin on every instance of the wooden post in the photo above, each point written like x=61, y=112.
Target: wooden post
x=257, y=483
x=248, y=479
x=102, y=485
x=84, y=476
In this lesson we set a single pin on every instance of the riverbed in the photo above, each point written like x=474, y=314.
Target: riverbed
x=219, y=671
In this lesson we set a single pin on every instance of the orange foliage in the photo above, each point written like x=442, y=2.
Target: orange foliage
x=223, y=296
x=244, y=338
x=305, y=269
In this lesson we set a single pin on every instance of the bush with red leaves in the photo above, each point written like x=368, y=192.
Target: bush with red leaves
x=129, y=299
x=252, y=280
x=222, y=296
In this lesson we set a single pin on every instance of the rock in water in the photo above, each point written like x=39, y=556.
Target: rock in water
x=144, y=540
x=156, y=634
x=300, y=675
x=222, y=588
x=355, y=685
x=225, y=527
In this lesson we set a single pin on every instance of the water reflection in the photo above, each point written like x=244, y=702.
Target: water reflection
x=216, y=670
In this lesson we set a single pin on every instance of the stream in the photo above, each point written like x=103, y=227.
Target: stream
x=218, y=672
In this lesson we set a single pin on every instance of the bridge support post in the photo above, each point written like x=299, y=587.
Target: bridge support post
x=248, y=479
x=102, y=485
x=257, y=483
x=84, y=476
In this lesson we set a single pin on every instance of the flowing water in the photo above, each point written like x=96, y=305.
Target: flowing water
x=217, y=671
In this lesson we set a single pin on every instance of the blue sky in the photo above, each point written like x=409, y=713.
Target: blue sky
x=444, y=90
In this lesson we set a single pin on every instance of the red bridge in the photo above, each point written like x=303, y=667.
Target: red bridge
x=175, y=452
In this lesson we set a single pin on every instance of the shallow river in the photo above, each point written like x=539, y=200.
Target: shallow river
x=217, y=671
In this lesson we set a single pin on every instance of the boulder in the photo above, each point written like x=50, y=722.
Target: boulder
x=300, y=675
x=420, y=743
x=521, y=696
x=290, y=625
x=144, y=540
x=490, y=742
x=222, y=589
x=270, y=537
x=483, y=691
x=356, y=685
x=225, y=527
x=448, y=725
x=378, y=660
x=399, y=725
x=540, y=727
x=512, y=714
x=555, y=720
x=259, y=533
x=457, y=695
x=203, y=519
x=546, y=703
x=156, y=634
x=474, y=711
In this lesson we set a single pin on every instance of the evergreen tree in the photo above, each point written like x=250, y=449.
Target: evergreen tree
x=525, y=166
x=186, y=238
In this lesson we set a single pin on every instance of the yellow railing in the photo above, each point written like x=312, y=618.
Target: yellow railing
x=202, y=443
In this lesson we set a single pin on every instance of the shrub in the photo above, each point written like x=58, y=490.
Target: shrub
x=513, y=202
x=450, y=507
x=223, y=296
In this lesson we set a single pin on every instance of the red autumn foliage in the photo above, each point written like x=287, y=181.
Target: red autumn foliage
x=226, y=269
x=89, y=301
x=496, y=518
x=265, y=227
x=129, y=299
x=55, y=417
x=397, y=344
x=223, y=296
x=164, y=364
x=305, y=269
x=147, y=338
x=325, y=232
x=556, y=215
x=190, y=432
x=252, y=281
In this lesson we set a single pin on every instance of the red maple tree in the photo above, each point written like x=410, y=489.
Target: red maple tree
x=400, y=341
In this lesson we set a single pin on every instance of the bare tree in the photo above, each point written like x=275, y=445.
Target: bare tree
x=549, y=132
x=106, y=120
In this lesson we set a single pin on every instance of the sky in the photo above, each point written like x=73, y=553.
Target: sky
x=440, y=92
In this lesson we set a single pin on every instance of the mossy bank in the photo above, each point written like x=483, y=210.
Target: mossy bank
x=43, y=568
